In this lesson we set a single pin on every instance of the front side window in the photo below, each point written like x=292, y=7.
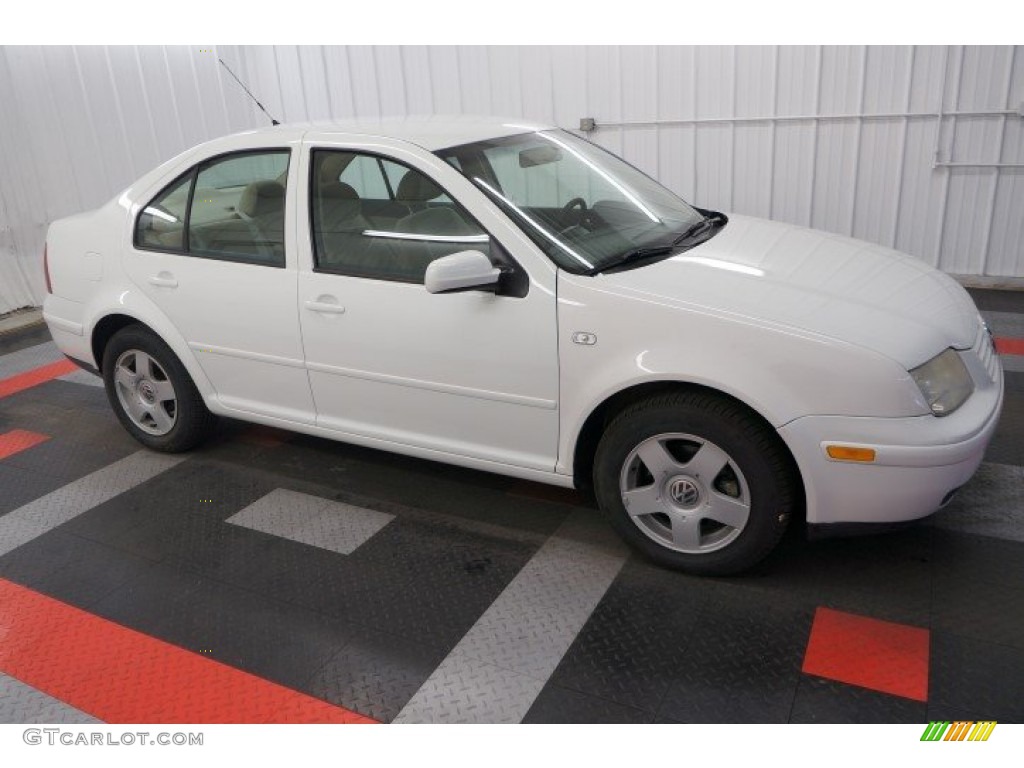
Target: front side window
x=363, y=173
x=586, y=208
x=230, y=208
x=373, y=217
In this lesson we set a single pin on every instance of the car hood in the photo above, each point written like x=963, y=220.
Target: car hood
x=784, y=275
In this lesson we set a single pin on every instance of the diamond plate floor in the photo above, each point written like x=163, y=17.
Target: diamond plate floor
x=21, y=703
x=500, y=666
x=312, y=520
x=402, y=590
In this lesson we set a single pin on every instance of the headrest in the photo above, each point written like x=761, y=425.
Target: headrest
x=339, y=206
x=338, y=190
x=260, y=198
x=333, y=165
x=416, y=188
x=436, y=221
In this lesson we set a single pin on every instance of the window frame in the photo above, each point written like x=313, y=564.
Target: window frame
x=193, y=172
x=514, y=281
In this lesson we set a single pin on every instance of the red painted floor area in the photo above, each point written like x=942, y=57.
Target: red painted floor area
x=122, y=676
x=18, y=440
x=1010, y=346
x=874, y=654
x=44, y=373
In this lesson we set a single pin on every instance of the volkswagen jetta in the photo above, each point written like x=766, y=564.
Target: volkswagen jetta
x=513, y=298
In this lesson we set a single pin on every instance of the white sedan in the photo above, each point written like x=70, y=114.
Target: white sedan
x=512, y=298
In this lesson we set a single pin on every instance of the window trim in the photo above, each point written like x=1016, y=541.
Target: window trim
x=514, y=281
x=194, y=172
x=387, y=181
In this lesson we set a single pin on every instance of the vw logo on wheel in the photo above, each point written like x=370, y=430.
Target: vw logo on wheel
x=684, y=492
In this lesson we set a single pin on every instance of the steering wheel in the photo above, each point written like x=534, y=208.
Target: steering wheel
x=576, y=202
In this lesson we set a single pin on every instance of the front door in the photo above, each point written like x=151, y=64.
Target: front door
x=471, y=374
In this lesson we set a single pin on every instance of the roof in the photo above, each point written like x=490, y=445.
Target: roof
x=430, y=132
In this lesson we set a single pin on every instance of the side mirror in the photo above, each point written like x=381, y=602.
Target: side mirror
x=462, y=271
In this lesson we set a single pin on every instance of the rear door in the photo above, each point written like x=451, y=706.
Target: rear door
x=211, y=251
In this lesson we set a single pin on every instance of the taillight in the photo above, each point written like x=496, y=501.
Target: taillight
x=46, y=270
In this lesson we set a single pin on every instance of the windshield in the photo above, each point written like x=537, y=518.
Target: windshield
x=585, y=208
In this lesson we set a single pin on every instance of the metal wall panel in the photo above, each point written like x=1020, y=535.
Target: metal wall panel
x=982, y=82
x=1006, y=242
x=799, y=93
x=784, y=132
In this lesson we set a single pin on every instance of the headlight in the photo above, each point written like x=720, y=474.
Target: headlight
x=944, y=381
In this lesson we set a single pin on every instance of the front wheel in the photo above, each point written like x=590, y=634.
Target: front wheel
x=695, y=482
x=152, y=393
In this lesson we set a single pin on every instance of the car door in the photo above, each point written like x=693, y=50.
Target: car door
x=210, y=251
x=471, y=374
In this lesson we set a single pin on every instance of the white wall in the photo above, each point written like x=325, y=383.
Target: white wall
x=79, y=124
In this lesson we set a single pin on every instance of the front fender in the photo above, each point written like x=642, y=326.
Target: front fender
x=781, y=373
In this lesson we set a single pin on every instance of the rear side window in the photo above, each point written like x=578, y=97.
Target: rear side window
x=237, y=210
x=229, y=208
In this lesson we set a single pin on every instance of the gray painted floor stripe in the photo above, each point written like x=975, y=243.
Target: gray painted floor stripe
x=1010, y=324
x=82, y=377
x=55, y=508
x=501, y=664
x=991, y=504
x=43, y=354
x=1014, y=363
x=20, y=703
x=312, y=520
x=26, y=359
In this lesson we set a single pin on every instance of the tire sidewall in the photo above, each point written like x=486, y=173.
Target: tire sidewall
x=769, y=508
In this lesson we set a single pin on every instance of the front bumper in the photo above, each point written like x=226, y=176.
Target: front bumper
x=920, y=461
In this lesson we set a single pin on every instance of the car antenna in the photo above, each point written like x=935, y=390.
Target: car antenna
x=272, y=120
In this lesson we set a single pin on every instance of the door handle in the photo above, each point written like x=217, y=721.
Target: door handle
x=163, y=280
x=325, y=307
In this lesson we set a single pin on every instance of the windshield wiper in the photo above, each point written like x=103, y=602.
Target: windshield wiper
x=708, y=221
x=637, y=254
x=697, y=228
x=652, y=251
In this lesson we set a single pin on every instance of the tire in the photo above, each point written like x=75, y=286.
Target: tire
x=151, y=392
x=718, y=494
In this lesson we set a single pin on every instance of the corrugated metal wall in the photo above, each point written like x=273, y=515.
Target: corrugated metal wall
x=840, y=138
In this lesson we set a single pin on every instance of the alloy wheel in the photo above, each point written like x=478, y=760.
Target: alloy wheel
x=145, y=392
x=685, y=493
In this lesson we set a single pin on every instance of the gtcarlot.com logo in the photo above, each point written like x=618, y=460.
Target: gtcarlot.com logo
x=943, y=730
x=72, y=738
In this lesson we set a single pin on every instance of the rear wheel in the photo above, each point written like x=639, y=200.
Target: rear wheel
x=152, y=393
x=696, y=482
